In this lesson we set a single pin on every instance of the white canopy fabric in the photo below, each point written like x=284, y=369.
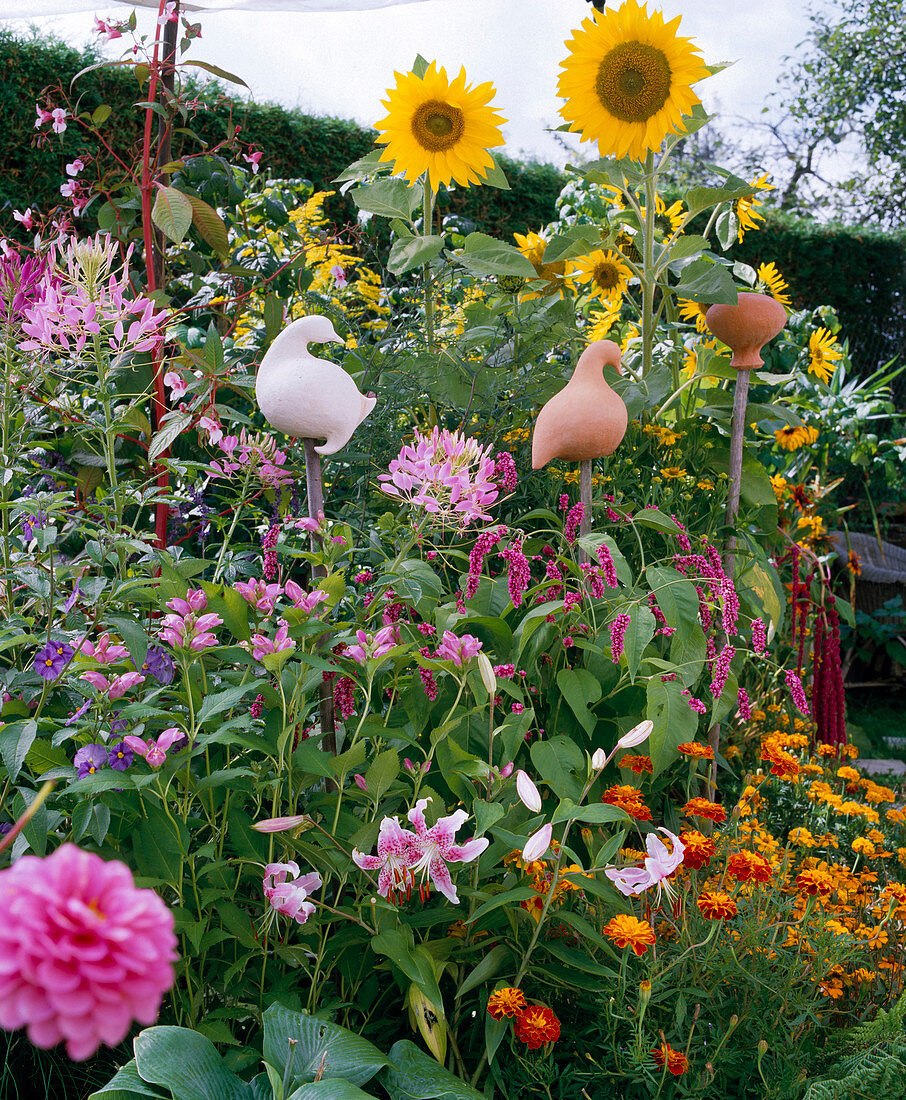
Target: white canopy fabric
x=26, y=9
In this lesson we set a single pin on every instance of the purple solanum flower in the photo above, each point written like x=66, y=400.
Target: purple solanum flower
x=119, y=756
x=32, y=523
x=159, y=664
x=90, y=758
x=52, y=659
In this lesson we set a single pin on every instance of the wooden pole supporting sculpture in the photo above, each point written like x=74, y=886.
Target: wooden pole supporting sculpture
x=311, y=399
x=584, y=421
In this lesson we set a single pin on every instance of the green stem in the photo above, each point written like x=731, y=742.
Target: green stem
x=648, y=273
x=427, y=216
x=236, y=514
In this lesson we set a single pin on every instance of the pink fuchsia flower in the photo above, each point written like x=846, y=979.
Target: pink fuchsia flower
x=75, y=166
x=396, y=855
x=304, y=601
x=458, y=650
x=373, y=648
x=110, y=29
x=104, y=652
x=446, y=474
x=538, y=843
x=261, y=646
x=115, y=688
x=155, y=752
x=339, y=276
x=259, y=594
x=659, y=865
x=83, y=952
x=290, y=897
x=434, y=848
x=253, y=159
x=176, y=384
x=43, y=116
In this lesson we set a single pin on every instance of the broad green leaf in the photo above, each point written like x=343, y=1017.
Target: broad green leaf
x=126, y=1084
x=703, y=198
x=175, y=425
x=224, y=700
x=413, y=252
x=596, y=813
x=637, y=636
x=414, y=1075
x=211, y=227
x=506, y=897
x=133, y=634
x=654, y=518
x=488, y=968
x=688, y=650
x=388, y=198
x=484, y=255
x=398, y=945
x=172, y=213
x=495, y=176
x=384, y=769
x=676, y=597
x=486, y=815
x=187, y=1064
x=15, y=740
x=561, y=764
x=706, y=281
x=684, y=247
x=674, y=721
x=321, y=1048
x=579, y=689
x=216, y=71
x=578, y=240
x=590, y=544
x=329, y=1088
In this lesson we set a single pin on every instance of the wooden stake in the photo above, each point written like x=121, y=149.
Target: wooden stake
x=314, y=486
x=585, y=467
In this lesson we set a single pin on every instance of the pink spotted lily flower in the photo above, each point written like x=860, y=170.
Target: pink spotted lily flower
x=447, y=475
x=657, y=868
x=396, y=855
x=289, y=896
x=155, y=752
x=435, y=848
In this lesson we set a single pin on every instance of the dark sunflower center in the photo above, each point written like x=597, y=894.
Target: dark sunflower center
x=663, y=224
x=437, y=125
x=633, y=81
x=607, y=276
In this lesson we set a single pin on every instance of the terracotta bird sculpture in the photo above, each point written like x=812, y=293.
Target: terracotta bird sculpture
x=586, y=419
x=307, y=397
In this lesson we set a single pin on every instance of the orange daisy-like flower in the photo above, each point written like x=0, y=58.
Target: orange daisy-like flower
x=782, y=763
x=699, y=849
x=537, y=1025
x=827, y=750
x=677, y=1063
x=854, y=563
x=702, y=807
x=814, y=881
x=628, y=931
x=637, y=764
x=628, y=798
x=748, y=866
x=716, y=905
x=506, y=1002
x=693, y=748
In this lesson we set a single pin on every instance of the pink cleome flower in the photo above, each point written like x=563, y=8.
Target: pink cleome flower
x=83, y=952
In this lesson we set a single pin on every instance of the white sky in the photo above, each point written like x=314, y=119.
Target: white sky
x=341, y=63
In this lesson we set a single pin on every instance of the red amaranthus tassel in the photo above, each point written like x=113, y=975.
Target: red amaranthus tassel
x=828, y=697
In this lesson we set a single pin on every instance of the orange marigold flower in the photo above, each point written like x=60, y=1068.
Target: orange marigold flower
x=827, y=750
x=506, y=1002
x=677, y=1062
x=716, y=905
x=628, y=798
x=537, y=1025
x=782, y=763
x=803, y=837
x=637, y=764
x=748, y=866
x=628, y=931
x=699, y=849
x=848, y=773
x=702, y=807
x=693, y=748
x=814, y=881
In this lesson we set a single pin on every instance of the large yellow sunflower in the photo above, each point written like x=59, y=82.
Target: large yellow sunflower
x=605, y=273
x=745, y=210
x=627, y=80
x=823, y=354
x=792, y=438
x=532, y=246
x=440, y=127
x=693, y=312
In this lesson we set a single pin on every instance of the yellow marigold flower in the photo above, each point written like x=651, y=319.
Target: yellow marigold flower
x=775, y=282
x=672, y=473
x=848, y=773
x=863, y=845
x=627, y=80
x=823, y=354
x=694, y=748
x=791, y=439
x=803, y=838
x=605, y=272
x=693, y=312
x=506, y=1002
x=628, y=931
x=441, y=127
x=744, y=208
x=705, y=484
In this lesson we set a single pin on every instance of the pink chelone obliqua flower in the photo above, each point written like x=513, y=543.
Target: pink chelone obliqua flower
x=83, y=951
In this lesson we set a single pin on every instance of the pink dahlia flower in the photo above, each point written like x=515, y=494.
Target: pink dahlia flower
x=83, y=952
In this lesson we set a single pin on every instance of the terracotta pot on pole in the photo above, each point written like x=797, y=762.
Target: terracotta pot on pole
x=584, y=421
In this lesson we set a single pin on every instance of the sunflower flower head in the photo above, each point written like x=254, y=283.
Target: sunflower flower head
x=440, y=127
x=745, y=208
x=627, y=80
x=792, y=438
x=774, y=283
x=823, y=354
x=605, y=273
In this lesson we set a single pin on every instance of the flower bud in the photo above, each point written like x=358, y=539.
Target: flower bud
x=762, y=1048
x=537, y=844
x=644, y=993
x=486, y=669
x=636, y=735
x=506, y=771
x=598, y=759
x=282, y=824
x=527, y=791
x=360, y=782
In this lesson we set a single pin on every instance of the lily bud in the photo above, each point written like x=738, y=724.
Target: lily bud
x=598, y=759
x=527, y=791
x=506, y=771
x=282, y=824
x=636, y=735
x=537, y=844
x=486, y=669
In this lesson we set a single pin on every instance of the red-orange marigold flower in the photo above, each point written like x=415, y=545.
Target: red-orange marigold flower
x=506, y=1002
x=677, y=1062
x=628, y=931
x=693, y=748
x=637, y=764
x=537, y=1025
x=702, y=807
x=814, y=882
x=628, y=798
x=699, y=849
x=716, y=905
x=748, y=866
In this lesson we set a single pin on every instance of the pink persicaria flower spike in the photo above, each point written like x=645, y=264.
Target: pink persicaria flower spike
x=657, y=868
x=456, y=649
x=83, y=951
x=259, y=594
x=436, y=847
x=304, y=601
x=155, y=752
x=445, y=474
x=396, y=855
x=290, y=897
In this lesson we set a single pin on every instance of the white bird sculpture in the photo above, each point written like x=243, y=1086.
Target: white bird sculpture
x=307, y=397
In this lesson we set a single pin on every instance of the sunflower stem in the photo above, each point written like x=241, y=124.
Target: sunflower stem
x=648, y=272
x=427, y=216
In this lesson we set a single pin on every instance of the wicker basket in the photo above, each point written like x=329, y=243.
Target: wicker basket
x=883, y=565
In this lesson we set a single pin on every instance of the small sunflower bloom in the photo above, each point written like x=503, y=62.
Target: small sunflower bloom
x=792, y=438
x=823, y=354
x=440, y=127
x=775, y=283
x=745, y=208
x=605, y=273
